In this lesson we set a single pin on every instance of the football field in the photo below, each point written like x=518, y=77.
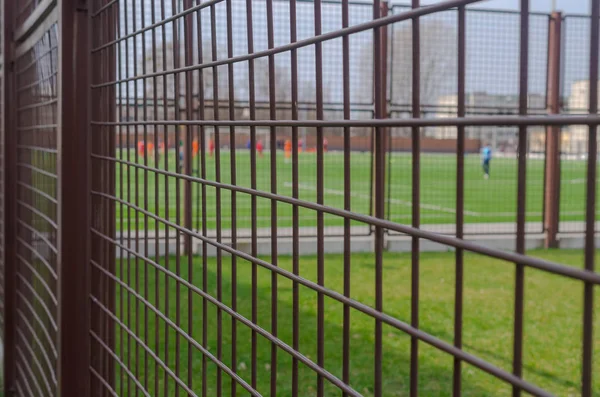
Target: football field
x=490, y=200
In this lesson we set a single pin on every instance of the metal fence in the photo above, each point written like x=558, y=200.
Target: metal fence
x=109, y=282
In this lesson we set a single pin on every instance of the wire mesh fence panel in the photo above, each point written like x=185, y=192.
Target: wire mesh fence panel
x=227, y=212
x=36, y=275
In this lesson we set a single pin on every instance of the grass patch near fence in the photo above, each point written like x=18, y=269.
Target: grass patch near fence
x=552, y=337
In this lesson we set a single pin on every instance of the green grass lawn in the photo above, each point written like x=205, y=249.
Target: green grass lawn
x=553, y=325
x=492, y=200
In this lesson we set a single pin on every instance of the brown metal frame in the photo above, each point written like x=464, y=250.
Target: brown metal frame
x=102, y=296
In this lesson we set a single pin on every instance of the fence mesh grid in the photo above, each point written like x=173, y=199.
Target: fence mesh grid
x=228, y=138
x=37, y=223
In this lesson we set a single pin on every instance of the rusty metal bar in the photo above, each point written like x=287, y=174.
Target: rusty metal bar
x=347, y=196
x=590, y=215
x=521, y=197
x=74, y=199
x=416, y=198
x=460, y=202
x=553, y=134
x=391, y=122
x=380, y=10
x=320, y=197
x=9, y=200
x=295, y=194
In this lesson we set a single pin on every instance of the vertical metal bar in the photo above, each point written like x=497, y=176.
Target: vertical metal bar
x=157, y=199
x=273, y=156
x=74, y=195
x=189, y=96
x=201, y=116
x=127, y=279
x=110, y=68
x=98, y=139
x=253, y=209
x=215, y=79
x=9, y=195
x=121, y=75
x=379, y=70
x=416, y=200
x=180, y=150
x=320, y=191
x=233, y=170
x=187, y=158
x=460, y=201
x=295, y=194
x=167, y=192
x=347, y=195
x=136, y=190
x=552, y=163
x=146, y=218
x=521, y=191
x=590, y=216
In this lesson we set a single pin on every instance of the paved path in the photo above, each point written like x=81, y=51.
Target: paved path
x=500, y=228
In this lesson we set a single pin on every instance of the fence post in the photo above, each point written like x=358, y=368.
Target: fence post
x=381, y=112
x=9, y=198
x=552, y=171
x=74, y=199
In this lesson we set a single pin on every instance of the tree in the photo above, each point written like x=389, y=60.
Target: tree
x=438, y=62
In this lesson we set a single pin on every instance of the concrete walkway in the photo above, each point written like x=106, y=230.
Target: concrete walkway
x=496, y=235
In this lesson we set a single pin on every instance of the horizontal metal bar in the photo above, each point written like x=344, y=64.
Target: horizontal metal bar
x=40, y=279
x=157, y=24
x=392, y=321
x=34, y=20
x=508, y=120
x=121, y=363
x=104, y=7
x=38, y=170
x=37, y=127
x=39, y=213
x=41, y=29
x=536, y=263
x=37, y=105
x=143, y=345
x=39, y=192
x=37, y=82
x=418, y=12
x=104, y=382
x=39, y=235
x=50, y=384
x=266, y=334
x=40, y=257
x=44, y=326
x=195, y=343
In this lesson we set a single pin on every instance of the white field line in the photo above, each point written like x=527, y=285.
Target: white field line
x=337, y=192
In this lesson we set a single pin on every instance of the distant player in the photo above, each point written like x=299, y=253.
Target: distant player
x=259, y=148
x=325, y=144
x=181, y=155
x=211, y=147
x=486, y=158
x=287, y=149
x=195, y=148
x=151, y=148
x=141, y=147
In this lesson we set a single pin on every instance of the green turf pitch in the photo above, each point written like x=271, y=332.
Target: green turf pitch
x=553, y=318
x=491, y=200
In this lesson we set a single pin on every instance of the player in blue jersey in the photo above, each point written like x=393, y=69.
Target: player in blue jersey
x=486, y=158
